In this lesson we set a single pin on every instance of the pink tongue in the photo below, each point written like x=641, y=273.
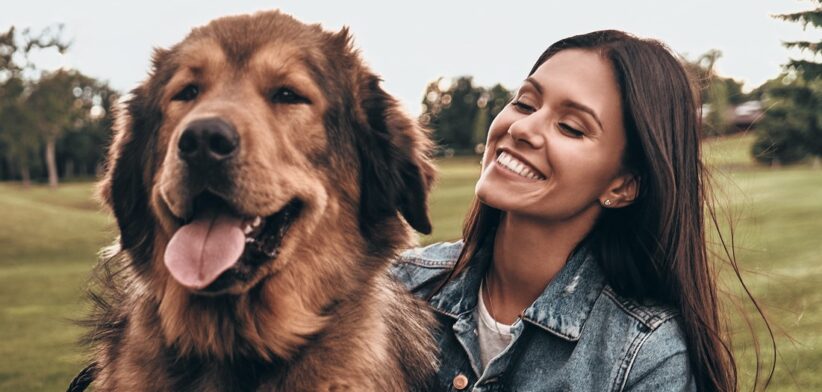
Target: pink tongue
x=201, y=250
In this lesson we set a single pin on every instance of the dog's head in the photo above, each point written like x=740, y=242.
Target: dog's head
x=257, y=146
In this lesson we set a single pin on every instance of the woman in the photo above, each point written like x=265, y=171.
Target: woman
x=583, y=263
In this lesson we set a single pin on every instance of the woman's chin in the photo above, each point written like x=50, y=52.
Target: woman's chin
x=496, y=188
x=494, y=195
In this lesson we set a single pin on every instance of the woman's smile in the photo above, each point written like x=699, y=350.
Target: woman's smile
x=509, y=163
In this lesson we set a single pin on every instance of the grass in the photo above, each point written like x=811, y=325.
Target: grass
x=778, y=218
x=48, y=244
x=49, y=239
x=730, y=152
x=451, y=196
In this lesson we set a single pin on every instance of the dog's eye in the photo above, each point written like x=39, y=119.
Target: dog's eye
x=188, y=93
x=287, y=96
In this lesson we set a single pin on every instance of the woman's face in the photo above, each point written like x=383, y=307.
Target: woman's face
x=555, y=151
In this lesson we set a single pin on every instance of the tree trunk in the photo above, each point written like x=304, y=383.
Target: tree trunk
x=25, y=173
x=776, y=164
x=69, y=172
x=51, y=160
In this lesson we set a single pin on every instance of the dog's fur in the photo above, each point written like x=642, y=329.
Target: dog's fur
x=324, y=314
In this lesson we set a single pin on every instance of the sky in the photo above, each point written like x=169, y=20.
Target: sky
x=411, y=43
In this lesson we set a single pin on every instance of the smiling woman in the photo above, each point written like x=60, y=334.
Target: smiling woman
x=583, y=264
x=562, y=141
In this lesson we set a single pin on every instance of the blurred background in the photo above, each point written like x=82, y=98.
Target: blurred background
x=63, y=65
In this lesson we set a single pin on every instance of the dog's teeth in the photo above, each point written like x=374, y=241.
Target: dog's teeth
x=249, y=241
x=247, y=229
x=257, y=221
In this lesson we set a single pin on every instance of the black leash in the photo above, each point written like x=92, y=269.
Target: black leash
x=82, y=381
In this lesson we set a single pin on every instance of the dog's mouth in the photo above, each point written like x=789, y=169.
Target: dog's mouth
x=218, y=247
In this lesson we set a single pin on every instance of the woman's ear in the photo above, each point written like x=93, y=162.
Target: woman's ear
x=622, y=191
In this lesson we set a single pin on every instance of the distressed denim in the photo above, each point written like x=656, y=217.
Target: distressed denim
x=578, y=335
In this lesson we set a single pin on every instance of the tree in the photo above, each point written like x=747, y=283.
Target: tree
x=809, y=69
x=18, y=142
x=481, y=121
x=459, y=112
x=63, y=101
x=82, y=147
x=15, y=144
x=792, y=126
x=16, y=116
x=718, y=94
x=454, y=122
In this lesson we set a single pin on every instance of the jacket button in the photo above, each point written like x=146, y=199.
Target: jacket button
x=460, y=381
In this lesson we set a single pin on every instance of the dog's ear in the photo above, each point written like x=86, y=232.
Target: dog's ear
x=125, y=185
x=394, y=156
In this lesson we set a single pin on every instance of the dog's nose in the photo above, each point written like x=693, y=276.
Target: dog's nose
x=208, y=141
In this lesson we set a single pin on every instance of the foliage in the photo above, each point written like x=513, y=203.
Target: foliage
x=59, y=121
x=459, y=112
x=70, y=104
x=718, y=94
x=809, y=69
x=792, y=127
x=18, y=143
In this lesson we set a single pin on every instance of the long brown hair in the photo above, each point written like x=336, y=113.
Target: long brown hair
x=655, y=248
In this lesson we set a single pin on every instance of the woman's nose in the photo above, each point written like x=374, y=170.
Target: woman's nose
x=526, y=130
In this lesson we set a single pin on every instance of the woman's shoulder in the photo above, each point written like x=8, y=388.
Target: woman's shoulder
x=419, y=268
x=657, y=352
x=662, y=359
x=650, y=314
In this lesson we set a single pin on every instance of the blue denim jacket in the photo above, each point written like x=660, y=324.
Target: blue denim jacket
x=579, y=335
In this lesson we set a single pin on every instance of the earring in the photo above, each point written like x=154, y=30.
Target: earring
x=607, y=202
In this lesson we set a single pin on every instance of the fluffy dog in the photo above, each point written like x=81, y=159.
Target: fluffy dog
x=262, y=181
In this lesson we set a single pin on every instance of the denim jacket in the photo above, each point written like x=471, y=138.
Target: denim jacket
x=578, y=335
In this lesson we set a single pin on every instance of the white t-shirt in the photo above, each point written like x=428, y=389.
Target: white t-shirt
x=494, y=336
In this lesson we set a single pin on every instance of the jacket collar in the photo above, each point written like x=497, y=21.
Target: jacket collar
x=561, y=309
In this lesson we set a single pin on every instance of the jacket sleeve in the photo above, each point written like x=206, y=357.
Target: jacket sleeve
x=662, y=363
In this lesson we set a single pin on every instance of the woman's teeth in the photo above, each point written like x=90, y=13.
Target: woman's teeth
x=518, y=167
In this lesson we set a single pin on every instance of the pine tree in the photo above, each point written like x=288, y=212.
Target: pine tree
x=810, y=69
x=791, y=129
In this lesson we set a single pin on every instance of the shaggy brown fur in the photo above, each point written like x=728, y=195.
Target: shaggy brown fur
x=322, y=314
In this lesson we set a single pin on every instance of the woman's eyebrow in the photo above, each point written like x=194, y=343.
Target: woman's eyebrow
x=578, y=106
x=534, y=83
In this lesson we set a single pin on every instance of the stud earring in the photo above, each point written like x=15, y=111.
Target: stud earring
x=607, y=202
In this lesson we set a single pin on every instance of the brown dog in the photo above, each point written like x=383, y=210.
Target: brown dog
x=260, y=177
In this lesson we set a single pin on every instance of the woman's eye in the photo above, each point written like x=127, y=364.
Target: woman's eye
x=287, y=96
x=523, y=106
x=188, y=93
x=571, y=130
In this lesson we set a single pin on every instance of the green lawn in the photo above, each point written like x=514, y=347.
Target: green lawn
x=49, y=240
x=48, y=243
